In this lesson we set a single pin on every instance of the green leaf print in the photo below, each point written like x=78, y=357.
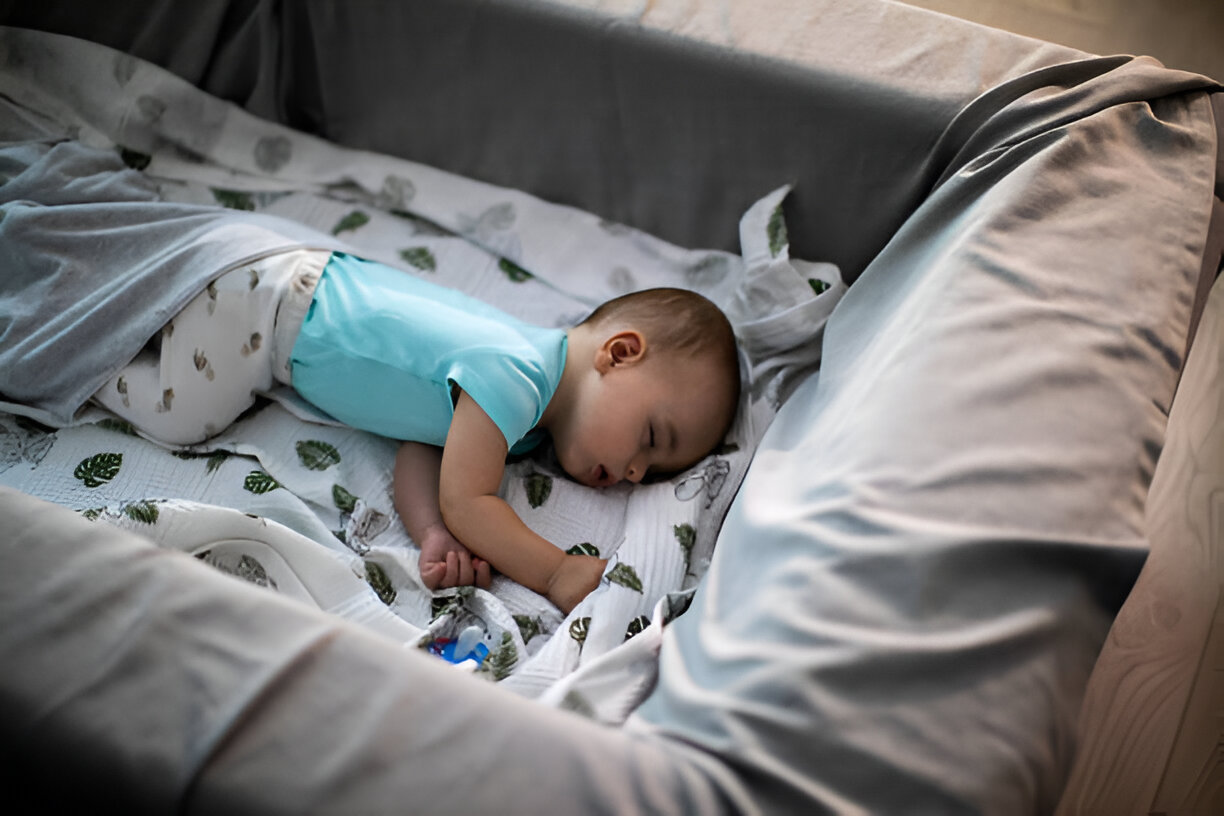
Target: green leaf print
x=117, y=425
x=818, y=286
x=539, y=487
x=501, y=660
x=134, y=158
x=396, y=193
x=345, y=501
x=513, y=271
x=317, y=455
x=380, y=582
x=30, y=426
x=98, y=469
x=579, y=704
x=626, y=576
x=637, y=626
x=420, y=257
x=145, y=512
x=687, y=537
x=776, y=230
x=449, y=603
x=442, y=606
x=215, y=459
x=249, y=569
x=246, y=567
x=258, y=482
x=579, y=628
x=234, y=199
x=273, y=152
x=354, y=220
x=585, y=548
x=528, y=626
x=92, y=513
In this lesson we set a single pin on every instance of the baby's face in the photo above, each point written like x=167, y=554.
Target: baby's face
x=659, y=416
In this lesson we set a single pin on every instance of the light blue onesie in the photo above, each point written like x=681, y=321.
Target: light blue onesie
x=380, y=350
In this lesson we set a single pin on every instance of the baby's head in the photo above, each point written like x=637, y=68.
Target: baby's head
x=651, y=386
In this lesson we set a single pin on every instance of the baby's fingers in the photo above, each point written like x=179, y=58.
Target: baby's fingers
x=484, y=575
x=466, y=576
x=452, y=570
x=432, y=574
x=458, y=570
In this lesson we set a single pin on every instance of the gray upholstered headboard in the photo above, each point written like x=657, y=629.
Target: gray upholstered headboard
x=674, y=135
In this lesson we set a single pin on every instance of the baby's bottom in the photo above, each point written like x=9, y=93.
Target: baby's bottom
x=224, y=345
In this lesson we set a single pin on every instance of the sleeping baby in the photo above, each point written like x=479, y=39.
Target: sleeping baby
x=647, y=384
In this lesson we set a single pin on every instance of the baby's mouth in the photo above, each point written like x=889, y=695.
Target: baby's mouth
x=600, y=476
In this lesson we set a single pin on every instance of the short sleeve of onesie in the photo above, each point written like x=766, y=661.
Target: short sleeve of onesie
x=380, y=350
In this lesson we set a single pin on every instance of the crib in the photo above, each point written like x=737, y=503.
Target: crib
x=960, y=553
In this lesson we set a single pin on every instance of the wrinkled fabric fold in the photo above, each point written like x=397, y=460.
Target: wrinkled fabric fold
x=935, y=534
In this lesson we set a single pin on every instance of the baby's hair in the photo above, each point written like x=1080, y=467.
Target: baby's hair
x=675, y=321
x=671, y=319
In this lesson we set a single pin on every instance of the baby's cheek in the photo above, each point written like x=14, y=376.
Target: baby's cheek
x=565, y=455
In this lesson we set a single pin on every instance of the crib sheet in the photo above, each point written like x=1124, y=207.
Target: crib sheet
x=327, y=533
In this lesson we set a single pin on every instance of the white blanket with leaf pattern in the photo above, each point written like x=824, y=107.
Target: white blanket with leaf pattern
x=304, y=508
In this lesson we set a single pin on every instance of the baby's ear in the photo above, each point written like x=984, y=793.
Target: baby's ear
x=623, y=348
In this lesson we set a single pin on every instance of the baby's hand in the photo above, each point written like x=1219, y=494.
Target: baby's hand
x=446, y=563
x=574, y=579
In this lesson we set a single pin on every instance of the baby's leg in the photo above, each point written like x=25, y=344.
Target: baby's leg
x=214, y=354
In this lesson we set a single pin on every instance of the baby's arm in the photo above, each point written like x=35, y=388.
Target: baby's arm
x=444, y=561
x=473, y=463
